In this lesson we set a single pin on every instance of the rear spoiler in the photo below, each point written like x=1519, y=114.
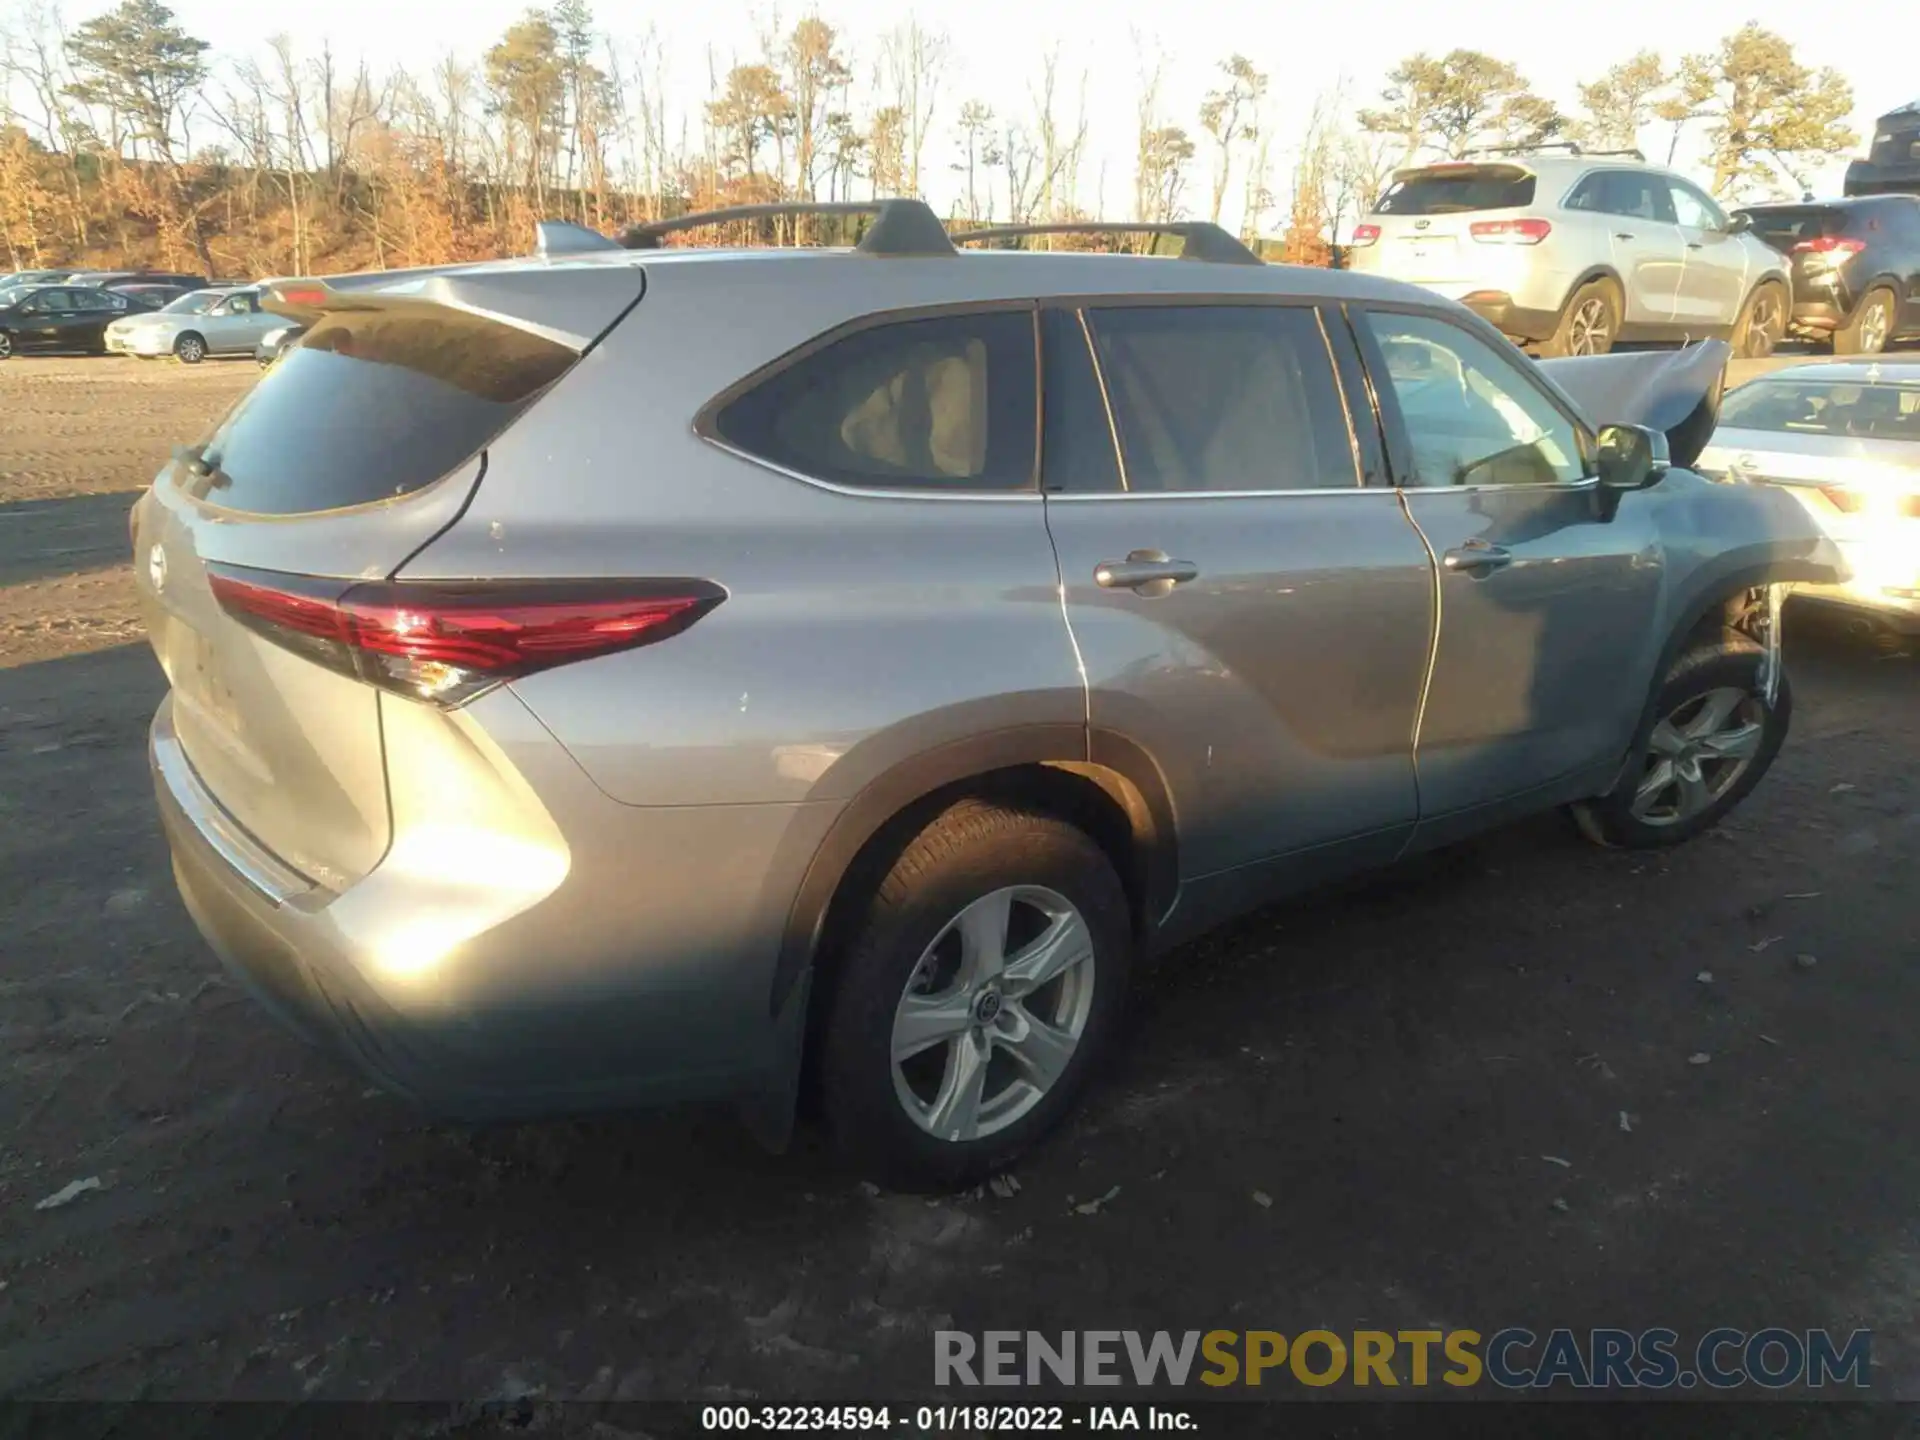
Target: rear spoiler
x=1676, y=392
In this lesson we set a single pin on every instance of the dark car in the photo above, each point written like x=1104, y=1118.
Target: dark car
x=274, y=343
x=1892, y=165
x=152, y=297
x=1856, y=268
x=30, y=277
x=48, y=318
x=119, y=279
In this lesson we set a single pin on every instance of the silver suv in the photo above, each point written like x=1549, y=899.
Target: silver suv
x=636, y=674
x=1574, y=252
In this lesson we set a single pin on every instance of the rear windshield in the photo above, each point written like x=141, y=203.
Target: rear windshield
x=1816, y=407
x=372, y=405
x=1437, y=192
x=1783, y=229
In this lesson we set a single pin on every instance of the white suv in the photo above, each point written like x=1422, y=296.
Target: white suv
x=1572, y=253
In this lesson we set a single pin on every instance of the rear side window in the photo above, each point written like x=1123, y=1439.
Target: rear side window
x=1448, y=192
x=1076, y=447
x=1783, y=229
x=373, y=405
x=1224, y=397
x=1624, y=192
x=939, y=404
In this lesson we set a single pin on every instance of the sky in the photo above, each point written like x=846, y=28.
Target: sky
x=996, y=48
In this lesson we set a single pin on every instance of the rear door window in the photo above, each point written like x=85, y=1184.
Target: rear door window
x=945, y=403
x=1783, y=228
x=1224, y=398
x=1448, y=192
x=372, y=405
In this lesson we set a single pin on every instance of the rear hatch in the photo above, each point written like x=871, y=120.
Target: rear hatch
x=1813, y=238
x=1423, y=229
x=349, y=456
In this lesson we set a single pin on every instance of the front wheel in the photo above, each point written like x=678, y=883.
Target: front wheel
x=1713, y=737
x=190, y=349
x=981, y=990
x=1762, y=323
x=6, y=346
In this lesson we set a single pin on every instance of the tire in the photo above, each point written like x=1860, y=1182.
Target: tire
x=1761, y=324
x=1589, y=323
x=1871, y=327
x=190, y=349
x=1701, y=681
x=909, y=946
x=6, y=346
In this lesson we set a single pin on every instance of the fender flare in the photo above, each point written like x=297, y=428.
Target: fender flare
x=1118, y=766
x=1587, y=277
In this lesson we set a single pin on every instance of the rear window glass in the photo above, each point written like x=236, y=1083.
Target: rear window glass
x=1787, y=228
x=939, y=404
x=1448, y=193
x=1873, y=412
x=372, y=405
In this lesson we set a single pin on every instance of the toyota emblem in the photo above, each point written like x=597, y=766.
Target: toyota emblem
x=157, y=567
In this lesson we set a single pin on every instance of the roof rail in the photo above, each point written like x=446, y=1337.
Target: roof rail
x=900, y=227
x=1632, y=153
x=563, y=237
x=1570, y=146
x=1201, y=239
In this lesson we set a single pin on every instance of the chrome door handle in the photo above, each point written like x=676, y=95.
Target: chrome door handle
x=1146, y=572
x=1480, y=556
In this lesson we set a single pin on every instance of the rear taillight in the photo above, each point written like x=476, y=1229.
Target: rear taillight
x=1837, y=249
x=448, y=643
x=1365, y=235
x=1509, y=232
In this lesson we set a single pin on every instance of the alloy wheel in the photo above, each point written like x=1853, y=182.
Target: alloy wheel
x=192, y=351
x=1875, y=322
x=6, y=346
x=1591, y=328
x=1766, y=326
x=1697, y=753
x=993, y=1013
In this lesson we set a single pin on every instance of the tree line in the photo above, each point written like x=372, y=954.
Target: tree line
x=125, y=140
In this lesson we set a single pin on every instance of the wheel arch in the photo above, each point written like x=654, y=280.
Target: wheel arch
x=1587, y=277
x=1108, y=786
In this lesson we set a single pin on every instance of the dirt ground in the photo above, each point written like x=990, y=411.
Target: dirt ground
x=1463, y=1094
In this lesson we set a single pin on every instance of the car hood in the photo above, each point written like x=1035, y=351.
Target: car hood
x=1676, y=392
x=148, y=317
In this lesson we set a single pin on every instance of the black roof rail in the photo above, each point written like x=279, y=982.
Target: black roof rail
x=1570, y=146
x=1201, y=239
x=900, y=227
x=1632, y=153
x=563, y=237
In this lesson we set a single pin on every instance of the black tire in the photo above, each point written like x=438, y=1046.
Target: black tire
x=6, y=346
x=1732, y=663
x=190, y=349
x=1762, y=323
x=1871, y=328
x=1589, y=324
x=971, y=851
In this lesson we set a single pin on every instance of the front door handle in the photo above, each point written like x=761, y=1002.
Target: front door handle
x=1145, y=572
x=1477, y=556
x=1695, y=245
x=1623, y=235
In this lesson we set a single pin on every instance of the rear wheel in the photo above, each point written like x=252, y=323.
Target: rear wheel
x=1590, y=323
x=1713, y=737
x=6, y=346
x=1762, y=323
x=1871, y=327
x=982, y=988
x=190, y=349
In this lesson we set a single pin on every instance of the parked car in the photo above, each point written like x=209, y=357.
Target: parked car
x=796, y=681
x=1573, y=253
x=203, y=323
x=1892, y=162
x=116, y=279
x=21, y=278
x=151, y=297
x=1856, y=268
x=275, y=341
x=1843, y=440
x=49, y=318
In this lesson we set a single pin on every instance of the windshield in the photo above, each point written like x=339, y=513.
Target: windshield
x=1823, y=407
x=197, y=303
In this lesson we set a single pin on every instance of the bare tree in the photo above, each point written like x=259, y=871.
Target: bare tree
x=912, y=62
x=1230, y=115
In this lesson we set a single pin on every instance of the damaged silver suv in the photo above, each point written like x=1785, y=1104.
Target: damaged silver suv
x=637, y=674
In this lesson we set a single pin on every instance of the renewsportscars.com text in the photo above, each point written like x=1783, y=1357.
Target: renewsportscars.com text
x=1513, y=1359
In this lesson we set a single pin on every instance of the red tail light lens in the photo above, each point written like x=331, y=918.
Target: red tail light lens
x=1510, y=232
x=448, y=644
x=1365, y=235
x=1835, y=247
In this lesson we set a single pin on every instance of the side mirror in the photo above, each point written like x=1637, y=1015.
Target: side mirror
x=1630, y=457
x=1739, y=224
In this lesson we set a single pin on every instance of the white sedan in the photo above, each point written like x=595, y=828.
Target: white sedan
x=203, y=323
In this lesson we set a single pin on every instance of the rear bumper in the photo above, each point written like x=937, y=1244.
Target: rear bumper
x=643, y=979
x=1509, y=317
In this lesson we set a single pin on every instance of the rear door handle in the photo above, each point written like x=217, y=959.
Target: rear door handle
x=1145, y=572
x=1695, y=245
x=1623, y=235
x=1477, y=556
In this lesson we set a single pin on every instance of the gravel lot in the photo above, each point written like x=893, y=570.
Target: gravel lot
x=1388, y=1067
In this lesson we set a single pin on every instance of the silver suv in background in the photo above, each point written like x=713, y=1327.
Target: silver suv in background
x=637, y=674
x=1572, y=253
